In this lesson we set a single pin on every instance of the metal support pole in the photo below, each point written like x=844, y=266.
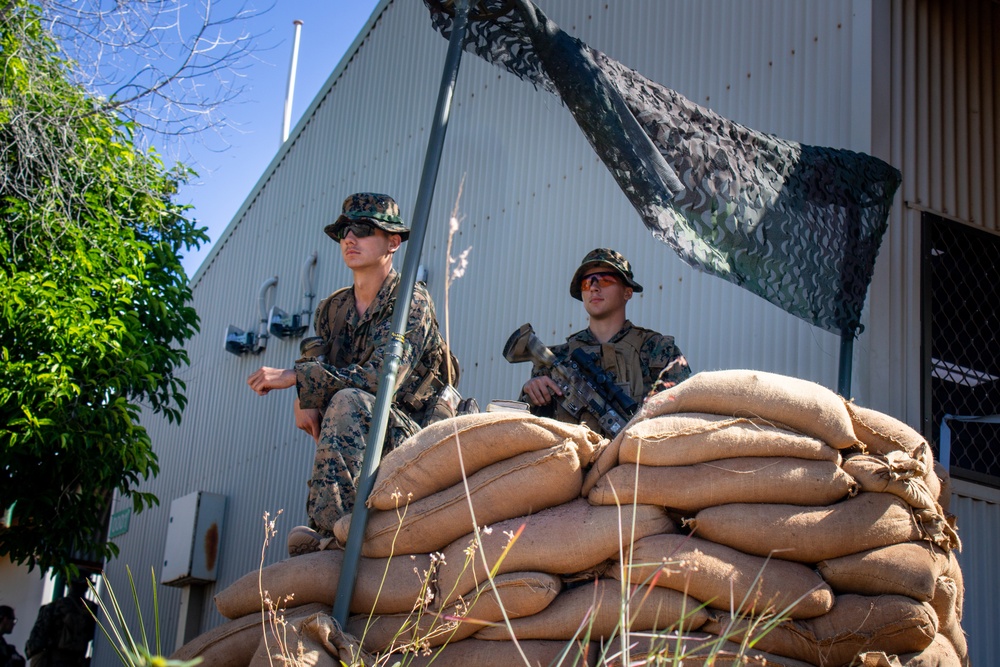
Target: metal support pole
x=387, y=381
x=846, y=364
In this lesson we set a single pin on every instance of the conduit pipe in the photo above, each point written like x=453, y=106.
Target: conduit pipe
x=308, y=290
x=262, y=335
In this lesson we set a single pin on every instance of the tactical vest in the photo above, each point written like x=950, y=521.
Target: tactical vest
x=430, y=373
x=622, y=358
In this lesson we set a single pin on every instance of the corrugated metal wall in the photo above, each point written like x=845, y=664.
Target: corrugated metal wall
x=942, y=93
x=535, y=200
x=977, y=509
x=945, y=136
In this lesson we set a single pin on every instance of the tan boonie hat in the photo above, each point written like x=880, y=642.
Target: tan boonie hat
x=603, y=257
x=378, y=209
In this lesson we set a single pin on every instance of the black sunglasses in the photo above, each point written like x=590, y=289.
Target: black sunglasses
x=361, y=230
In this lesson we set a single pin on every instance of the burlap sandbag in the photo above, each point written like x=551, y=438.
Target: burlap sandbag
x=383, y=585
x=742, y=480
x=909, y=568
x=689, y=438
x=428, y=462
x=606, y=459
x=810, y=534
x=520, y=593
x=316, y=641
x=479, y=653
x=233, y=643
x=592, y=611
x=897, y=473
x=954, y=571
x=726, y=579
x=940, y=529
x=945, y=604
x=801, y=405
x=514, y=487
x=881, y=433
x=568, y=538
x=856, y=624
x=939, y=654
x=693, y=649
x=944, y=483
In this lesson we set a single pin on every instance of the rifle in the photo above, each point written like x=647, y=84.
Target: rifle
x=584, y=384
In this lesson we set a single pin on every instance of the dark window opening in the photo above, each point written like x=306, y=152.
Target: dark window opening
x=962, y=344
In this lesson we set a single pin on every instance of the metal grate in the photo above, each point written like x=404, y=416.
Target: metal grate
x=962, y=344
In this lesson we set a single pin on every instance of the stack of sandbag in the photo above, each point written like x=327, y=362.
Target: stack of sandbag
x=522, y=476
x=729, y=499
x=418, y=585
x=793, y=502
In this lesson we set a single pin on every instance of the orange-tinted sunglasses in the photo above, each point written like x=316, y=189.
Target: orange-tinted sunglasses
x=603, y=279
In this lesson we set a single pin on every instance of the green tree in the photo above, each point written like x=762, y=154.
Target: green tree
x=93, y=302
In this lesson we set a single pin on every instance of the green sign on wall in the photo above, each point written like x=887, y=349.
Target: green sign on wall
x=120, y=522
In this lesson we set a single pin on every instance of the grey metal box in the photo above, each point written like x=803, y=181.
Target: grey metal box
x=194, y=534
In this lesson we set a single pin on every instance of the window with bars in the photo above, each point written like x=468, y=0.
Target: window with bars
x=961, y=296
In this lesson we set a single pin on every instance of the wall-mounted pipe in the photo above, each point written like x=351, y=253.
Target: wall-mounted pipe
x=262, y=334
x=308, y=288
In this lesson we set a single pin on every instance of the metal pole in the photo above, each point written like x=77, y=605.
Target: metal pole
x=387, y=381
x=287, y=116
x=846, y=364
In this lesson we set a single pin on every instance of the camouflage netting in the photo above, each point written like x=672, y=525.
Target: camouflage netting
x=798, y=225
x=848, y=544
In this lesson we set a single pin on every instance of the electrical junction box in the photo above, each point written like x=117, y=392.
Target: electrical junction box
x=193, y=538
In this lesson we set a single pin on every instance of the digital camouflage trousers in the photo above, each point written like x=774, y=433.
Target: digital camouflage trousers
x=340, y=454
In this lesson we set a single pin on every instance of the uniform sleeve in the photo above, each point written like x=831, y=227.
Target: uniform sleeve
x=317, y=381
x=666, y=364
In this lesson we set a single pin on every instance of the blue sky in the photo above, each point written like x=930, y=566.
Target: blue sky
x=229, y=164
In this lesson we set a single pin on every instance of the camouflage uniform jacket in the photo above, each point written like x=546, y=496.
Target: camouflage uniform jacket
x=357, y=353
x=9, y=657
x=642, y=360
x=61, y=633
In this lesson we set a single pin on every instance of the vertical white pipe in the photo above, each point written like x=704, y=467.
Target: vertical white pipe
x=291, y=82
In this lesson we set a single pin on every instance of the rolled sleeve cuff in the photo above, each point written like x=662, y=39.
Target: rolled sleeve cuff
x=313, y=384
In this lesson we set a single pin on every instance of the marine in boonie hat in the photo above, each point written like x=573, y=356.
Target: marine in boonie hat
x=378, y=209
x=603, y=257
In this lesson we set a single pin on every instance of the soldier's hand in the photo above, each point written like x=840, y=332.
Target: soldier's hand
x=265, y=378
x=308, y=420
x=541, y=390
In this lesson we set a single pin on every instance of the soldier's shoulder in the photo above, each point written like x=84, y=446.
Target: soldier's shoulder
x=422, y=298
x=661, y=346
x=421, y=292
x=647, y=334
x=337, y=297
x=332, y=303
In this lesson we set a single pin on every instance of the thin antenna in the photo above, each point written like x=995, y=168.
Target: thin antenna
x=291, y=82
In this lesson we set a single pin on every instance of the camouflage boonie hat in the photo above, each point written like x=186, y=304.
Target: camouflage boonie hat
x=603, y=257
x=380, y=210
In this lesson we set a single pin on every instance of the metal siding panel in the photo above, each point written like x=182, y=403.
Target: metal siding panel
x=943, y=136
x=977, y=511
x=949, y=70
x=535, y=200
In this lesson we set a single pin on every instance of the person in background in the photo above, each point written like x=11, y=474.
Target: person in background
x=643, y=361
x=63, y=630
x=9, y=657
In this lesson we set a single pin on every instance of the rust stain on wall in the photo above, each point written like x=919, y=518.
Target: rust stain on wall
x=211, y=546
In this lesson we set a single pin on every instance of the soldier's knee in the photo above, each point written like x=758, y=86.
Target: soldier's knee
x=349, y=401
